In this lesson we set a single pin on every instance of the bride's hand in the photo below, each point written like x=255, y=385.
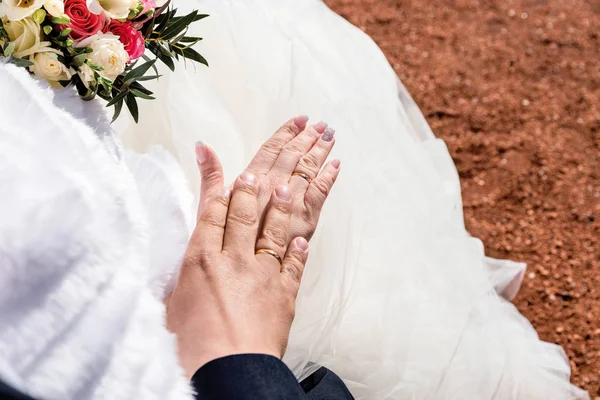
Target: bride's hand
x=295, y=154
x=229, y=300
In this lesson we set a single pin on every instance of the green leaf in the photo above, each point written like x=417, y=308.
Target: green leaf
x=148, y=78
x=118, y=107
x=162, y=20
x=132, y=106
x=174, y=28
x=138, y=72
x=9, y=49
x=146, y=58
x=200, y=16
x=3, y=33
x=117, y=98
x=190, y=39
x=106, y=84
x=168, y=61
x=166, y=51
x=193, y=55
x=20, y=62
x=138, y=86
x=137, y=93
x=78, y=60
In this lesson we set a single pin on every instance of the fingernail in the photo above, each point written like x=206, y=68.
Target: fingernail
x=283, y=192
x=320, y=126
x=248, y=178
x=301, y=121
x=335, y=163
x=301, y=243
x=329, y=133
x=200, y=152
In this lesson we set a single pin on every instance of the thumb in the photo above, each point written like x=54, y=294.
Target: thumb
x=211, y=173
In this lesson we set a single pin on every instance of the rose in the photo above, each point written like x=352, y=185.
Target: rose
x=56, y=8
x=47, y=66
x=132, y=39
x=107, y=52
x=16, y=10
x=26, y=35
x=115, y=9
x=147, y=5
x=83, y=23
x=2, y=9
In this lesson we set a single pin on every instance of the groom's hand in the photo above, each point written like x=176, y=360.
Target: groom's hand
x=238, y=284
x=294, y=155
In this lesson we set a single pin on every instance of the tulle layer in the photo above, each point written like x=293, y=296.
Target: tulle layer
x=397, y=298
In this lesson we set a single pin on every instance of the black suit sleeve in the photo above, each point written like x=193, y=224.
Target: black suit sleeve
x=246, y=376
x=259, y=376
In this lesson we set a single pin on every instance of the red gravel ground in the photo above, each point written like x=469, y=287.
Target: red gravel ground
x=513, y=87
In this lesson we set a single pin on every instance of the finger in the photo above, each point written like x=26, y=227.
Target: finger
x=310, y=164
x=276, y=227
x=294, y=150
x=293, y=264
x=242, y=218
x=265, y=158
x=211, y=173
x=210, y=230
x=319, y=188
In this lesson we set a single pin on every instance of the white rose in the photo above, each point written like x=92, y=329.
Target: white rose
x=86, y=74
x=47, y=66
x=26, y=35
x=2, y=9
x=116, y=9
x=107, y=52
x=16, y=10
x=56, y=8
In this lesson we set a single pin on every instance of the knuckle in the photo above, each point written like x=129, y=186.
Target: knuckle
x=295, y=149
x=210, y=214
x=244, y=215
x=210, y=218
x=275, y=234
x=210, y=175
x=310, y=162
x=322, y=186
x=288, y=130
x=294, y=270
x=198, y=259
x=272, y=146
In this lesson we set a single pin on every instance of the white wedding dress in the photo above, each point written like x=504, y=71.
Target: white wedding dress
x=397, y=299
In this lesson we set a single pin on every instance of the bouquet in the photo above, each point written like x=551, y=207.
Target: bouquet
x=98, y=46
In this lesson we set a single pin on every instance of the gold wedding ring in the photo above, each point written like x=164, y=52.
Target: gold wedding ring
x=303, y=175
x=271, y=253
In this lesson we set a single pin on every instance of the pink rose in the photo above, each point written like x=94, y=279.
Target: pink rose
x=83, y=23
x=132, y=39
x=148, y=5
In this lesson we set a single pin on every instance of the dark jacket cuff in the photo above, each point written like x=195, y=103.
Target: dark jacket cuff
x=246, y=376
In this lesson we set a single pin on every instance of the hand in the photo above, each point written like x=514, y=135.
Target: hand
x=228, y=300
x=293, y=148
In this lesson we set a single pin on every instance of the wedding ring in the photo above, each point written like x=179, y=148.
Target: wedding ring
x=303, y=175
x=269, y=252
